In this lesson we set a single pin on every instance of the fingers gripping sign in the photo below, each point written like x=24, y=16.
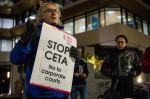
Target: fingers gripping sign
x=30, y=33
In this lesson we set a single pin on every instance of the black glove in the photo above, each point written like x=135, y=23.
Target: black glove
x=30, y=33
x=75, y=53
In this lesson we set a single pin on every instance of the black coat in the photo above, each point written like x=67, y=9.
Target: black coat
x=124, y=63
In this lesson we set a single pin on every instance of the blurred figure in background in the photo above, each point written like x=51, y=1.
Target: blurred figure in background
x=79, y=84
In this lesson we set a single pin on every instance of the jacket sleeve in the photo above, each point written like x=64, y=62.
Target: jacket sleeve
x=105, y=69
x=19, y=54
x=136, y=70
x=76, y=70
x=146, y=61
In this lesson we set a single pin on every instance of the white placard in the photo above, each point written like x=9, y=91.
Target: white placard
x=53, y=67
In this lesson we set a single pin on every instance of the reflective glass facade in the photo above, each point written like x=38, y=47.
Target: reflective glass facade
x=106, y=16
x=80, y=24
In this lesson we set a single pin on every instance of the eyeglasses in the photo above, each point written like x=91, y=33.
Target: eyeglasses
x=120, y=42
x=51, y=10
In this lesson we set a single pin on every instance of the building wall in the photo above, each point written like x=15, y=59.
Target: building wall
x=105, y=36
x=15, y=87
x=4, y=56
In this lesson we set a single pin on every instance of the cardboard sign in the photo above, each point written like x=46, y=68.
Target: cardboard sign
x=53, y=67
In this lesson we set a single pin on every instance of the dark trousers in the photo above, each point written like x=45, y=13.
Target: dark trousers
x=125, y=88
x=122, y=88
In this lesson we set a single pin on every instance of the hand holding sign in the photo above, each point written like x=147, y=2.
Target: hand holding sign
x=75, y=53
x=30, y=33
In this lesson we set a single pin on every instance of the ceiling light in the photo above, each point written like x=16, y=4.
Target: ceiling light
x=8, y=74
x=110, y=12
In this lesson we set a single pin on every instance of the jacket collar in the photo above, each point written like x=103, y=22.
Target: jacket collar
x=57, y=26
x=121, y=51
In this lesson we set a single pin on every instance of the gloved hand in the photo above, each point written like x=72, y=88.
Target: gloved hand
x=75, y=53
x=30, y=33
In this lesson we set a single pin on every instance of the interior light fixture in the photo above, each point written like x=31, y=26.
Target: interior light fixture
x=110, y=12
x=119, y=17
x=8, y=74
x=129, y=19
x=32, y=17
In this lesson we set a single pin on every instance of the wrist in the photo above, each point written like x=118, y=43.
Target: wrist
x=23, y=42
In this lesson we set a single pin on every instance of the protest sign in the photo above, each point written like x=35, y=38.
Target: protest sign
x=53, y=67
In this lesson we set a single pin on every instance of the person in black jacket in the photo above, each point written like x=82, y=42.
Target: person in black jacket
x=122, y=65
x=79, y=84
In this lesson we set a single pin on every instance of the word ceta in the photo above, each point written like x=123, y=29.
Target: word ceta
x=57, y=57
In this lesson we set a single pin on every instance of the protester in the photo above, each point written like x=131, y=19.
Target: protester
x=146, y=64
x=146, y=61
x=122, y=65
x=25, y=50
x=79, y=84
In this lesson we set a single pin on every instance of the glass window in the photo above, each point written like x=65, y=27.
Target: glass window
x=8, y=2
x=33, y=16
x=68, y=27
x=1, y=23
x=113, y=15
x=145, y=27
x=92, y=22
x=124, y=17
x=80, y=24
x=18, y=20
x=0, y=44
x=131, y=20
x=14, y=21
x=5, y=79
x=138, y=24
x=5, y=2
x=7, y=23
x=60, y=3
x=6, y=45
x=102, y=18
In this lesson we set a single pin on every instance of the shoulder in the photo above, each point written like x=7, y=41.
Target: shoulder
x=39, y=25
x=130, y=50
x=133, y=52
x=147, y=49
x=83, y=60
